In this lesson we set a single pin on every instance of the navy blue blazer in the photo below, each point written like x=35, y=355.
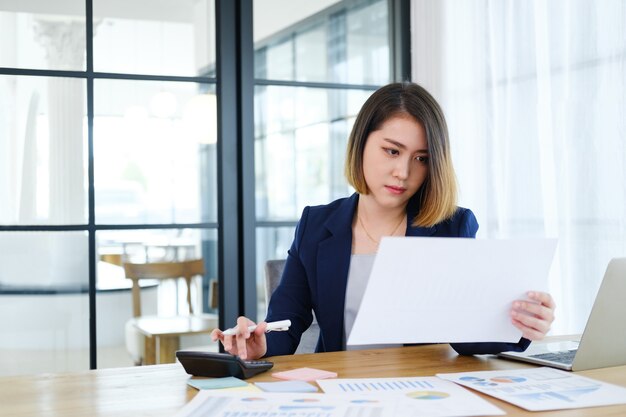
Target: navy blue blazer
x=316, y=275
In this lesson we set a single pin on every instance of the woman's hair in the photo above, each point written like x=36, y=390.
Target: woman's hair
x=438, y=192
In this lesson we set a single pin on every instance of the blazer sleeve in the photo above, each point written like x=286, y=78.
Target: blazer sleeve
x=489, y=348
x=292, y=299
x=468, y=226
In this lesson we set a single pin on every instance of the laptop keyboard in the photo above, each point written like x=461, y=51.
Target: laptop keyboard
x=564, y=356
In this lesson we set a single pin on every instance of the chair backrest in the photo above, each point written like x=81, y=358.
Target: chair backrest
x=273, y=273
x=160, y=271
x=213, y=294
x=112, y=258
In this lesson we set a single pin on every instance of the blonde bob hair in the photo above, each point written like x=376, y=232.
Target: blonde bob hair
x=438, y=193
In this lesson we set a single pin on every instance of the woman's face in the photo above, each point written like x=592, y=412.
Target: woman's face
x=395, y=161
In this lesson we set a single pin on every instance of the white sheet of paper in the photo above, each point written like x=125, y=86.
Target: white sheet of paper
x=538, y=389
x=444, y=290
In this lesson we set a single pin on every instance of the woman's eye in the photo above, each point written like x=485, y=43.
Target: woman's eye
x=422, y=159
x=392, y=152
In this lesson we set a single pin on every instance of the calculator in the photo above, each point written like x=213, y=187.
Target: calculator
x=213, y=364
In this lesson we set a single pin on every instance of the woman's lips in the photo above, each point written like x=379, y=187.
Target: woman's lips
x=395, y=190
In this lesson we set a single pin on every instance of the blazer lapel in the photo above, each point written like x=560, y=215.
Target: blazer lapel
x=333, y=262
x=419, y=231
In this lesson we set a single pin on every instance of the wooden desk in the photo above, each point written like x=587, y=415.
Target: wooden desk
x=162, y=334
x=161, y=390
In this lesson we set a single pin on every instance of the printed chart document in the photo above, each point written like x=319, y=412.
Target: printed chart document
x=229, y=404
x=539, y=389
x=431, y=290
x=429, y=396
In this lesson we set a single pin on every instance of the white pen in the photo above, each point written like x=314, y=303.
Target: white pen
x=275, y=326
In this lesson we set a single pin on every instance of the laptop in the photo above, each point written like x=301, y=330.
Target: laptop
x=603, y=342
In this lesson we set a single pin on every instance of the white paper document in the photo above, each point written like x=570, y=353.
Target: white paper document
x=429, y=396
x=213, y=403
x=539, y=389
x=432, y=290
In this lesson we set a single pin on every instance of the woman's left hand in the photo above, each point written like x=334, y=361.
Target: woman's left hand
x=533, y=317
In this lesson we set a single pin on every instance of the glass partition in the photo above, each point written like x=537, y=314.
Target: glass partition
x=322, y=41
x=44, y=303
x=153, y=160
x=301, y=136
x=117, y=346
x=43, y=150
x=156, y=147
x=168, y=38
x=43, y=35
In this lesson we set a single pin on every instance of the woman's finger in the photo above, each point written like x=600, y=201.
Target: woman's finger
x=532, y=308
x=527, y=332
x=542, y=297
x=217, y=334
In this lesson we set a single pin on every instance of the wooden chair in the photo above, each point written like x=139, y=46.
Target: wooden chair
x=213, y=294
x=112, y=258
x=149, y=337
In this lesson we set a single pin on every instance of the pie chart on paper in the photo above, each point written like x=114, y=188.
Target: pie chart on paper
x=508, y=379
x=427, y=395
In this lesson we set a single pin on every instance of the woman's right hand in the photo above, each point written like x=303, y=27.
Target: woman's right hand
x=245, y=344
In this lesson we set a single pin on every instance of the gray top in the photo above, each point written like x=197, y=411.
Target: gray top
x=358, y=275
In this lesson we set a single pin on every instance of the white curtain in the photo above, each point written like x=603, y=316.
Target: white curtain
x=535, y=97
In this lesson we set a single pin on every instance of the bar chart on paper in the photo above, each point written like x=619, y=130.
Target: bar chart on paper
x=383, y=385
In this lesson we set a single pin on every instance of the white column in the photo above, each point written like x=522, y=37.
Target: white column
x=28, y=195
x=65, y=46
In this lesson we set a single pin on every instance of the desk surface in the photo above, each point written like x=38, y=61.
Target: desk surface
x=161, y=390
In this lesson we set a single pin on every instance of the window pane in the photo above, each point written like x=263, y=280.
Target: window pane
x=118, y=347
x=42, y=150
x=43, y=35
x=301, y=135
x=279, y=64
x=43, y=302
x=368, y=54
x=171, y=38
x=325, y=41
x=156, y=152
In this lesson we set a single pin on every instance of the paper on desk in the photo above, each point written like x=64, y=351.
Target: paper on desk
x=429, y=290
x=222, y=404
x=286, y=386
x=433, y=396
x=538, y=389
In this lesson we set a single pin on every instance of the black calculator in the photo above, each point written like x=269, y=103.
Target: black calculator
x=215, y=364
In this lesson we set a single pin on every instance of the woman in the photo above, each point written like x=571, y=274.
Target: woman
x=398, y=160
